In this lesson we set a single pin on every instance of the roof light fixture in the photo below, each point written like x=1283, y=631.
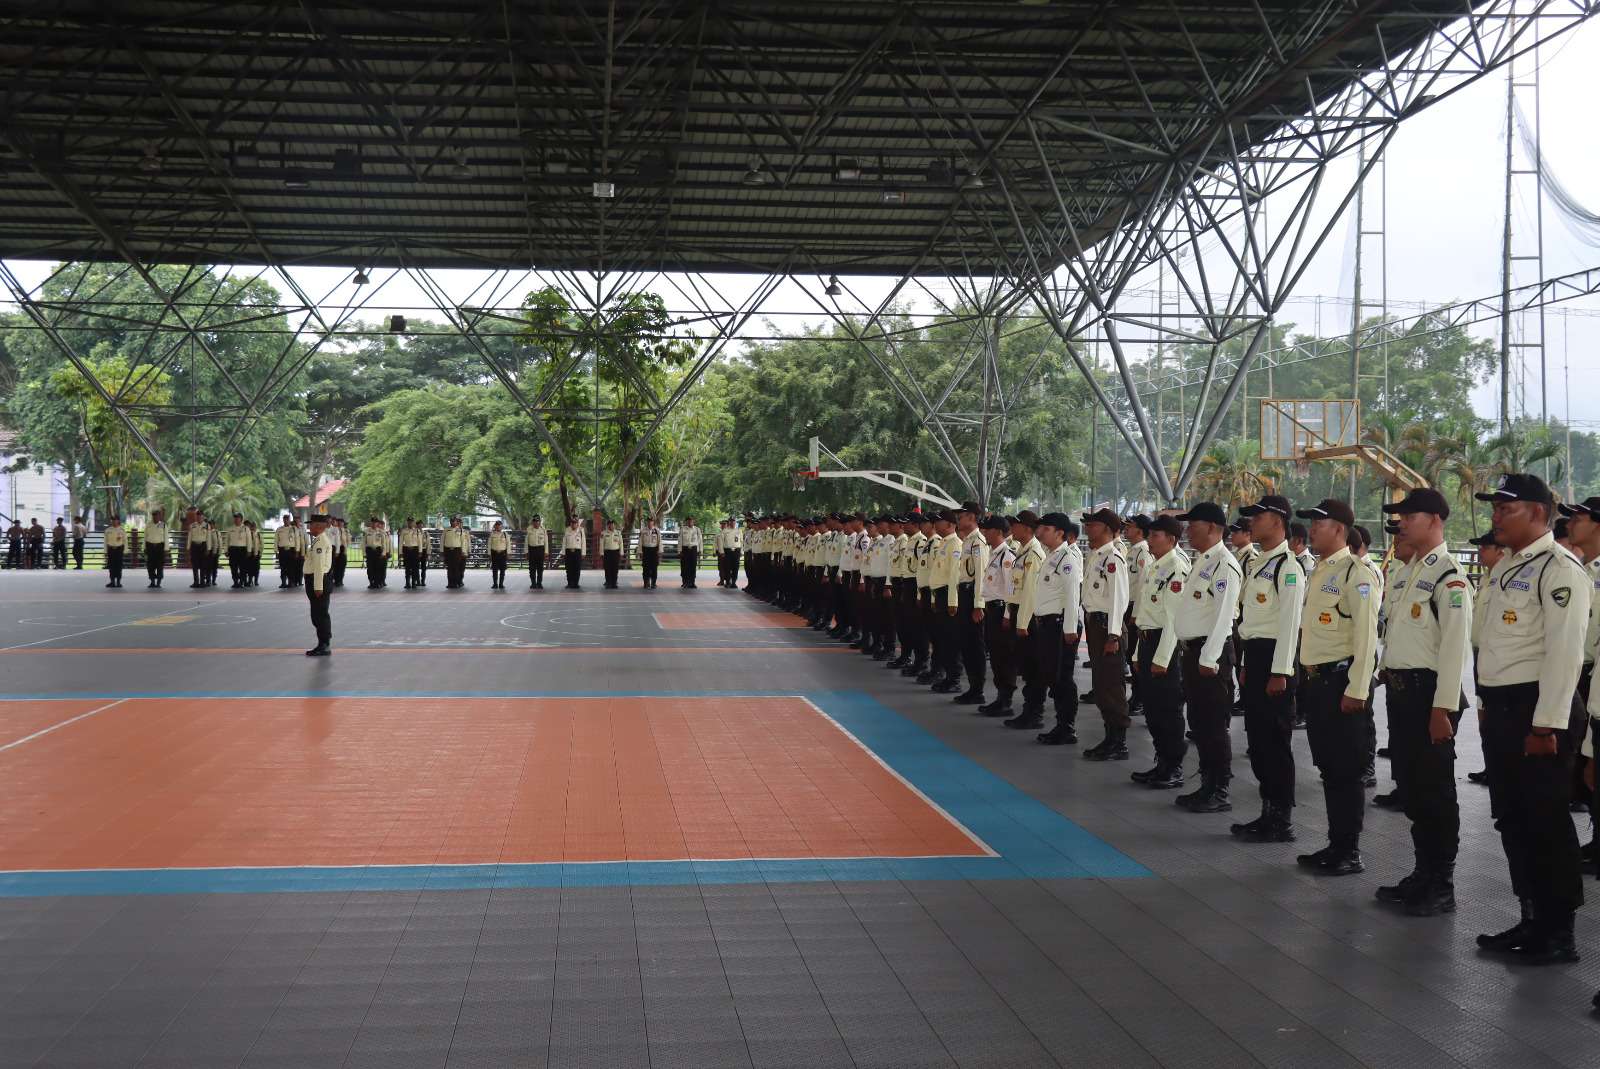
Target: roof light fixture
x=894, y=196
x=460, y=171
x=833, y=289
x=756, y=176
x=847, y=169
x=150, y=162
x=971, y=182
x=360, y=278
x=397, y=324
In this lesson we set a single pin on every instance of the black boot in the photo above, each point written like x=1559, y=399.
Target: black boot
x=1169, y=778
x=1063, y=734
x=1000, y=707
x=914, y=669
x=1027, y=720
x=970, y=696
x=947, y=685
x=1212, y=797
x=1405, y=890
x=1148, y=774
x=1275, y=825
x=1335, y=861
x=900, y=661
x=1114, y=748
x=926, y=676
x=1550, y=943
x=1513, y=935
x=1435, y=894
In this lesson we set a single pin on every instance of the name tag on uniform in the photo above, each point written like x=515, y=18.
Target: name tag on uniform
x=1330, y=587
x=1518, y=584
x=1423, y=584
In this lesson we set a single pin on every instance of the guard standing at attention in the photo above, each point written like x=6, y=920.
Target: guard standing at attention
x=426, y=552
x=538, y=541
x=238, y=550
x=1530, y=652
x=572, y=550
x=255, y=552
x=455, y=542
x=611, y=552
x=649, y=552
x=1203, y=628
x=58, y=545
x=940, y=565
x=499, y=554
x=411, y=552
x=691, y=540
x=1047, y=619
x=969, y=568
x=116, y=541
x=155, y=548
x=1338, y=653
x=1164, y=577
x=1269, y=629
x=1136, y=550
x=287, y=542
x=79, y=532
x=375, y=551
x=995, y=614
x=1425, y=652
x=199, y=544
x=319, y=587
x=1105, y=599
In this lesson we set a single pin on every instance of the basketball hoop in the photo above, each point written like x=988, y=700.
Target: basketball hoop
x=798, y=480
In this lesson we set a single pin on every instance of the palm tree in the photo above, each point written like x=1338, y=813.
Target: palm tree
x=1521, y=447
x=1232, y=473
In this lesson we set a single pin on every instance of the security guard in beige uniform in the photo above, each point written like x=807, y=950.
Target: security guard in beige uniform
x=1136, y=550
x=116, y=542
x=499, y=555
x=1047, y=619
x=969, y=567
x=455, y=542
x=1156, y=663
x=1424, y=655
x=1105, y=600
x=319, y=587
x=538, y=542
x=611, y=553
x=155, y=548
x=1203, y=629
x=1530, y=652
x=995, y=597
x=1338, y=653
x=573, y=546
x=375, y=552
x=287, y=543
x=649, y=552
x=1269, y=630
x=411, y=537
x=199, y=549
x=691, y=540
x=238, y=551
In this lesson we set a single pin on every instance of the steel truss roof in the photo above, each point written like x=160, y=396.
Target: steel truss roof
x=459, y=134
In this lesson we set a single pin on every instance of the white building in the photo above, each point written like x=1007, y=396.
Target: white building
x=32, y=491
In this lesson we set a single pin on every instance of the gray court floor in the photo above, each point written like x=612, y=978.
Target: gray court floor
x=1226, y=955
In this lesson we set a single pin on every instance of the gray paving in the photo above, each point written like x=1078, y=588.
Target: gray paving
x=1227, y=956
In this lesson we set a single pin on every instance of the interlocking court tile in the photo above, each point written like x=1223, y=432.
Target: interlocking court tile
x=253, y=782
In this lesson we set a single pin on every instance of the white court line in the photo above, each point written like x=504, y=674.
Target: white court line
x=107, y=627
x=58, y=727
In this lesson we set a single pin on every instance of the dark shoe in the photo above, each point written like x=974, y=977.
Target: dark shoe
x=1317, y=859
x=1086, y=698
x=969, y=697
x=899, y=662
x=1398, y=893
x=911, y=671
x=1212, y=798
x=318, y=650
x=946, y=686
x=1170, y=779
x=927, y=676
x=1383, y=751
x=1435, y=896
x=1060, y=735
x=1001, y=706
x=1027, y=720
x=1113, y=748
x=1392, y=800
x=1342, y=863
x=1550, y=943
x=1275, y=825
x=882, y=655
x=1514, y=935
x=1148, y=774
x=1480, y=778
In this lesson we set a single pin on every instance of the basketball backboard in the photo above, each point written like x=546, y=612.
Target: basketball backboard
x=1290, y=427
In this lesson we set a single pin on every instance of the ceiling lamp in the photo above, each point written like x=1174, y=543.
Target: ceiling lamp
x=361, y=277
x=150, y=162
x=755, y=176
x=460, y=171
x=971, y=182
x=847, y=170
x=397, y=324
x=894, y=196
x=833, y=289
x=296, y=179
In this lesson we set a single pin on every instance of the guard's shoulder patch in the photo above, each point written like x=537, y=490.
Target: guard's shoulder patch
x=1456, y=584
x=1561, y=595
x=1431, y=558
x=1288, y=579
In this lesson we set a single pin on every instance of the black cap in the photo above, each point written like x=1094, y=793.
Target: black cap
x=1105, y=516
x=321, y=517
x=1329, y=508
x=1485, y=539
x=1239, y=527
x=1167, y=525
x=1027, y=517
x=947, y=515
x=1519, y=486
x=972, y=507
x=1058, y=520
x=1140, y=521
x=1391, y=528
x=1205, y=512
x=1590, y=505
x=994, y=523
x=1422, y=499
x=1270, y=503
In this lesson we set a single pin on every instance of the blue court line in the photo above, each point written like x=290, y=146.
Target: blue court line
x=1032, y=840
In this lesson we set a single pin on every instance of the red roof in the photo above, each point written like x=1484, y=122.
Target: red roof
x=325, y=491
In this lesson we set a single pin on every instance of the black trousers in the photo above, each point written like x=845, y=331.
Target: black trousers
x=1001, y=641
x=77, y=553
x=884, y=596
x=969, y=636
x=1209, y=702
x=1529, y=797
x=236, y=564
x=377, y=567
x=341, y=561
x=613, y=562
x=1054, y=666
x=574, y=561
x=321, y=613
x=199, y=564
x=155, y=561
x=536, y=566
x=58, y=554
x=455, y=567
x=1105, y=672
x=688, y=563
x=946, y=653
x=497, y=567
x=733, y=567
x=114, y=563
x=1424, y=770
x=1338, y=747
x=1163, y=699
x=1268, y=724
x=411, y=561
x=649, y=564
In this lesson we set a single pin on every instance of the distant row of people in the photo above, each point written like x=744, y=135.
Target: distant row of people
x=25, y=545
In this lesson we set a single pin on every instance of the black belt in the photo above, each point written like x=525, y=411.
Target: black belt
x=1098, y=615
x=1047, y=616
x=1401, y=678
x=996, y=601
x=1314, y=670
x=1201, y=641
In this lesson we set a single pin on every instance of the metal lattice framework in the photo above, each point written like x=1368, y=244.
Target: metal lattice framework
x=1040, y=157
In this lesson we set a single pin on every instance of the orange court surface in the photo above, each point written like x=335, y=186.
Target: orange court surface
x=187, y=783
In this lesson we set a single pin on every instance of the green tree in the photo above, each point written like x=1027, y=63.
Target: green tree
x=117, y=458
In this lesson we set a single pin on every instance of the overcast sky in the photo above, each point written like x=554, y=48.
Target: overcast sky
x=1445, y=213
